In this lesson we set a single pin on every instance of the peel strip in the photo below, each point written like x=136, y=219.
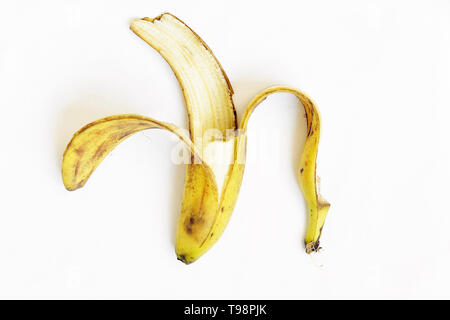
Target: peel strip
x=307, y=177
x=92, y=143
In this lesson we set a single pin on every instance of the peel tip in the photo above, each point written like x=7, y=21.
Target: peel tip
x=313, y=246
x=135, y=22
x=148, y=19
x=72, y=187
x=182, y=258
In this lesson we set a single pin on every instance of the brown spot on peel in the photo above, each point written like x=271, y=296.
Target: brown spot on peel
x=125, y=134
x=102, y=149
x=77, y=167
x=79, y=151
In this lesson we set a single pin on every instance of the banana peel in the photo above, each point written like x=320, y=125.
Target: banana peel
x=307, y=177
x=216, y=144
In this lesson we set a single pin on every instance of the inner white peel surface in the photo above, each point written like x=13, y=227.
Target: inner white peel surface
x=206, y=91
x=205, y=88
x=219, y=155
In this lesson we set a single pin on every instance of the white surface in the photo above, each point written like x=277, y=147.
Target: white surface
x=380, y=74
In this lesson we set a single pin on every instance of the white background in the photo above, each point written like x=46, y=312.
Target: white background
x=379, y=72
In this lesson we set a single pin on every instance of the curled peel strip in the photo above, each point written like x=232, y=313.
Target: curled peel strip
x=307, y=177
x=211, y=187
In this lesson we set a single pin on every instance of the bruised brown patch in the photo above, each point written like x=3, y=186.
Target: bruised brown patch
x=194, y=225
x=310, y=119
x=121, y=126
x=101, y=150
x=80, y=184
x=125, y=134
x=77, y=168
x=301, y=170
x=79, y=151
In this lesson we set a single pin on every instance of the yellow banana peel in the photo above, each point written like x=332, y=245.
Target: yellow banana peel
x=216, y=143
